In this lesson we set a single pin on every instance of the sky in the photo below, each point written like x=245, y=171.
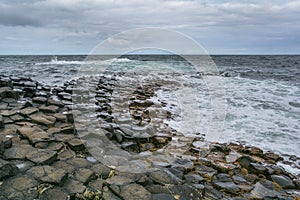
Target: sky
x=220, y=26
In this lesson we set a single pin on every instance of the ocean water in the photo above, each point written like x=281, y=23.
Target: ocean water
x=262, y=92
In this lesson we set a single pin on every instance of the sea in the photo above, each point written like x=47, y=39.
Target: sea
x=262, y=92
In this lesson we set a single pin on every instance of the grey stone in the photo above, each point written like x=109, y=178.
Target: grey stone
x=85, y=175
x=28, y=111
x=18, y=152
x=162, y=196
x=39, y=100
x=48, y=174
x=74, y=187
x=193, y=178
x=135, y=192
x=17, y=188
x=119, y=180
x=7, y=170
x=229, y=187
x=34, y=134
x=42, y=119
x=76, y=144
x=164, y=177
x=54, y=193
x=101, y=170
x=185, y=192
x=49, y=109
x=283, y=181
x=42, y=156
x=96, y=184
x=259, y=191
x=1, y=122
x=55, y=102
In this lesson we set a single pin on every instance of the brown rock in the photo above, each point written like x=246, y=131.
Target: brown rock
x=135, y=192
x=48, y=174
x=49, y=109
x=45, y=120
x=28, y=111
x=39, y=100
x=34, y=134
x=42, y=156
x=54, y=193
x=76, y=144
x=85, y=175
x=21, y=187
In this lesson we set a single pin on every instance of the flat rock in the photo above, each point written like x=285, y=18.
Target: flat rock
x=185, y=192
x=7, y=170
x=283, y=181
x=55, y=102
x=33, y=134
x=229, y=187
x=49, y=109
x=42, y=156
x=21, y=187
x=119, y=180
x=74, y=187
x=135, y=192
x=164, y=177
x=1, y=122
x=259, y=192
x=18, y=152
x=54, y=193
x=40, y=100
x=28, y=111
x=76, y=144
x=101, y=170
x=48, y=174
x=42, y=119
x=96, y=184
x=85, y=175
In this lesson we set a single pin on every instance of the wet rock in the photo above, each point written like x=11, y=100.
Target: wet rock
x=45, y=120
x=17, y=118
x=76, y=144
x=283, y=181
x=21, y=187
x=272, y=157
x=258, y=169
x=134, y=192
x=7, y=170
x=42, y=156
x=85, y=175
x=48, y=174
x=1, y=147
x=54, y=193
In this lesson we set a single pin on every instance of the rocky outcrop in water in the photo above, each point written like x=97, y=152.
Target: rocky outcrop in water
x=43, y=156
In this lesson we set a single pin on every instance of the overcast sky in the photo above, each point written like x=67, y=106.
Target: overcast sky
x=220, y=26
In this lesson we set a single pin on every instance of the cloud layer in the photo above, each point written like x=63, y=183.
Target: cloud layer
x=76, y=26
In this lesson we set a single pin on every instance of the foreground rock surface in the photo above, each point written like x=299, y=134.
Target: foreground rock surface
x=42, y=156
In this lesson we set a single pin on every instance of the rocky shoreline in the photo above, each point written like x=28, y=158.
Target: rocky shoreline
x=42, y=156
